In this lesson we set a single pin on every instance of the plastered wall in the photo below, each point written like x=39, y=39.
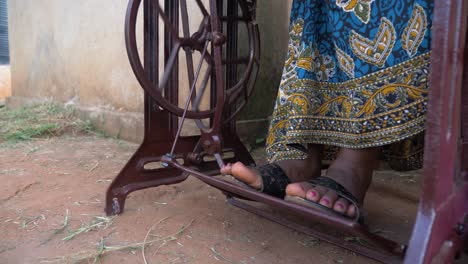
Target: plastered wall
x=74, y=52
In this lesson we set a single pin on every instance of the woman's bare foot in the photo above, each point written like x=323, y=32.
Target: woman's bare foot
x=296, y=170
x=352, y=169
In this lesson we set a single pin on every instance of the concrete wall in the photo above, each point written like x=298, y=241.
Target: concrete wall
x=74, y=52
x=273, y=20
x=5, y=81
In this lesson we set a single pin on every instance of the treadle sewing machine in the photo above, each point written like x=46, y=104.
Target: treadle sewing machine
x=220, y=79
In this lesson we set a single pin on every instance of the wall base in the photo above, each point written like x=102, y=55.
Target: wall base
x=130, y=125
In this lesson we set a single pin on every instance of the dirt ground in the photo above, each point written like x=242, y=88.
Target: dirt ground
x=52, y=187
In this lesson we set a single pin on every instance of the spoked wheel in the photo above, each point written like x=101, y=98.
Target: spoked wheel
x=194, y=42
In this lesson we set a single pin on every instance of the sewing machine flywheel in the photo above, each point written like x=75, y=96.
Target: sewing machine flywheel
x=192, y=53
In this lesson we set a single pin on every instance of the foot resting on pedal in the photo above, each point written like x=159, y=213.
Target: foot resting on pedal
x=273, y=178
x=342, y=190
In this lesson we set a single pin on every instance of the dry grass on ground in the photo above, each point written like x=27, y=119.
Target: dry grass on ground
x=55, y=169
x=41, y=121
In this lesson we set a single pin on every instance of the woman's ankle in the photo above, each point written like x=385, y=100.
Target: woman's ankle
x=301, y=170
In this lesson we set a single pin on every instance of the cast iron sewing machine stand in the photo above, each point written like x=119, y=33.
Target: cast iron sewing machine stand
x=219, y=86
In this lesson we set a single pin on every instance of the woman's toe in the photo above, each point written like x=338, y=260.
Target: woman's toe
x=227, y=169
x=246, y=175
x=328, y=199
x=351, y=212
x=313, y=195
x=341, y=206
x=298, y=189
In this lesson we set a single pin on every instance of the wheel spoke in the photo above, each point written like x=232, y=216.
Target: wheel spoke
x=188, y=50
x=206, y=78
x=196, y=104
x=168, y=68
x=167, y=23
x=202, y=8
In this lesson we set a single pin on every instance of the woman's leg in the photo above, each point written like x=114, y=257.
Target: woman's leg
x=296, y=170
x=353, y=169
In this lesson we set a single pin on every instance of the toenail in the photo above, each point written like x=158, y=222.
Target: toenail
x=313, y=194
x=326, y=201
x=340, y=206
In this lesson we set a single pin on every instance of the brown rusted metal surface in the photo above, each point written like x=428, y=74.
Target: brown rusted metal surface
x=162, y=110
x=464, y=161
x=394, y=256
x=381, y=249
x=444, y=201
x=440, y=229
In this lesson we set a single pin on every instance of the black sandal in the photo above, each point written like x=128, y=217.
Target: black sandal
x=274, y=180
x=334, y=186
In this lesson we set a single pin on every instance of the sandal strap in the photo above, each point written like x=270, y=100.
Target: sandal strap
x=274, y=180
x=342, y=192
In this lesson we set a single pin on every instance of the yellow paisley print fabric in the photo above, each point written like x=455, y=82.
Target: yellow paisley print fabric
x=355, y=76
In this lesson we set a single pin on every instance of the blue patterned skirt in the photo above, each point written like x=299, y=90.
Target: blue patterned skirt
x=356, y=75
